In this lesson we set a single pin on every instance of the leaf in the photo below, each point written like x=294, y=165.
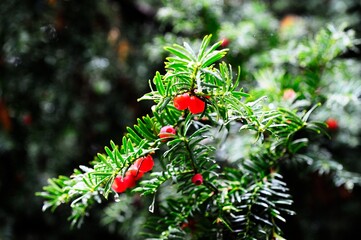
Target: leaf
x=163, y=104
x=142, y=129
x=158, y=82
x=212, y=58
x=103, y=159
x=110, y=154
x=239, y=94
x=308, y=113
x=180, y=52
x=133, y=135
x=205, y=42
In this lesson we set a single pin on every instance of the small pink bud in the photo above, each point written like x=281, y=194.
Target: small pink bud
x=289, y=94
x=167, y=132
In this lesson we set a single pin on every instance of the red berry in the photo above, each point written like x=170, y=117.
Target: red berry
x=181, y=102
x=225, y=42
x=190, y=223
x=196, y=105
x=130, y=181
x=197, y=179
x=167, y=132
x=121, y=184
x=135, y=173
x=144, y=164
x=332, y=123
x=27, y=119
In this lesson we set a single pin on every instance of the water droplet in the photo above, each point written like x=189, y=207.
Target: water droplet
x=116, y=198
x=151, y=207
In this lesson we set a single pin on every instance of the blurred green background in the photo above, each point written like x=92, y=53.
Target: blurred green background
x=71, y=73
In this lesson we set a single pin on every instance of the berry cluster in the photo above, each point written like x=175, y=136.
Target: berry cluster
x=145, y=164
x=134, y=173
x=194, y=104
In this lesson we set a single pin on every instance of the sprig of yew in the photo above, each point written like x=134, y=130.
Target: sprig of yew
x=232, y=195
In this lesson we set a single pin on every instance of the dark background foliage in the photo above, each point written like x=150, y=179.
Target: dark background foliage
x=70, y=76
